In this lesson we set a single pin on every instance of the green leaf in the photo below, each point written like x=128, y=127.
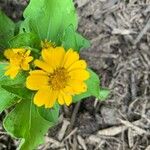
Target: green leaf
x=49, y=18
x=6, y=80
x=7, y=28
x=50, y=115
x=19, y=90
x=103, y=94
x=25, y=40
x=72, y=39
x=22, y=92
x=26, y=123
x=6, y=99
x=93, y=84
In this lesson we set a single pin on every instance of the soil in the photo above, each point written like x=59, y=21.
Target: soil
x=119, y=31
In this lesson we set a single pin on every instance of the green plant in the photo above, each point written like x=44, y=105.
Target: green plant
x=54, y=22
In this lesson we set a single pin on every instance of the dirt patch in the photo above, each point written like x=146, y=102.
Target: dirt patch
x=120, y=53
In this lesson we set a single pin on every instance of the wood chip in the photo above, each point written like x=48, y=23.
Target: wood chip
x=63, y=129
x=112, y=131
x=130, y=138
x=148, y=148
x=81, y=142
x=145, y=29
x=138, y=130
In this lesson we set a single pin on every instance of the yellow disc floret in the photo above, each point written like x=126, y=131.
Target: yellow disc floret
x=19, y=59
x=60, y=76
x=47, y=44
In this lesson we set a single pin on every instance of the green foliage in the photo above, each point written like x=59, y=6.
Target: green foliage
x=5, y=80
x=56, y=21
x=24, y=40
x=71, y=39
x=7, y=28
x=103, y=93
x=19, y=91
x=49, y=18
x=26, y=123
x=50, y=115
x=8, y=98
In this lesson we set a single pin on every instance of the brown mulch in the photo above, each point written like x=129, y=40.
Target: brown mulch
x=119, y=31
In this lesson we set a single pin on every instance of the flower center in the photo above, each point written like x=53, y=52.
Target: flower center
x=45, y=44
x=59, y=79
x=20, y=58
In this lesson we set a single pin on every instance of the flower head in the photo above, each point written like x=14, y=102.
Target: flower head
x=60, y=76
x=19, y=60
x=47, y=44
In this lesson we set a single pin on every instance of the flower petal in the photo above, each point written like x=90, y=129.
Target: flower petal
x=27, y=53
x=80, y=74
x=38, y=72
x=47, y=55
x=12, y=71
x=53, y=56
x=28, y=59
x=59, y=54
x=67, y=99
x=68, y=89
x=25, y=66
x=19, y=50
x=78, y=86
x=9, y=53
x=60, y=99
x=42, y=96
x=43, y=65
x=81, y=64
x=36, y=80
x=53, y=95
x=64, y=98
x=70, y=57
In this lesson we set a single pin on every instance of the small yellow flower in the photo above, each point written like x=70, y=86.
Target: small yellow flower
x=61, y=76
x=19, y=60
x=46, y=44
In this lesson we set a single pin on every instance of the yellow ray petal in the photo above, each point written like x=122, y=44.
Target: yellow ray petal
x=81, y=75
x=42, y=96
x=70, y=57
x=78, y=86
x=12, y=71
x=52, y=99
x=27, y=53
x=67, y=98
x=59, y=54
x=53, y=56
x=25, y=66
x=19, y=50
x=68, y=89
x=43, y=65
x=47, y=55
x=36, y=80
x=28, y=59
x=9, y=53
x=38, y=72
x=81, y=64
x=60, y=99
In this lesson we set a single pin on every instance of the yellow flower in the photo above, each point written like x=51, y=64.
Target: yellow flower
x=47, y=44
x=19, y=60
x=61, y=76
